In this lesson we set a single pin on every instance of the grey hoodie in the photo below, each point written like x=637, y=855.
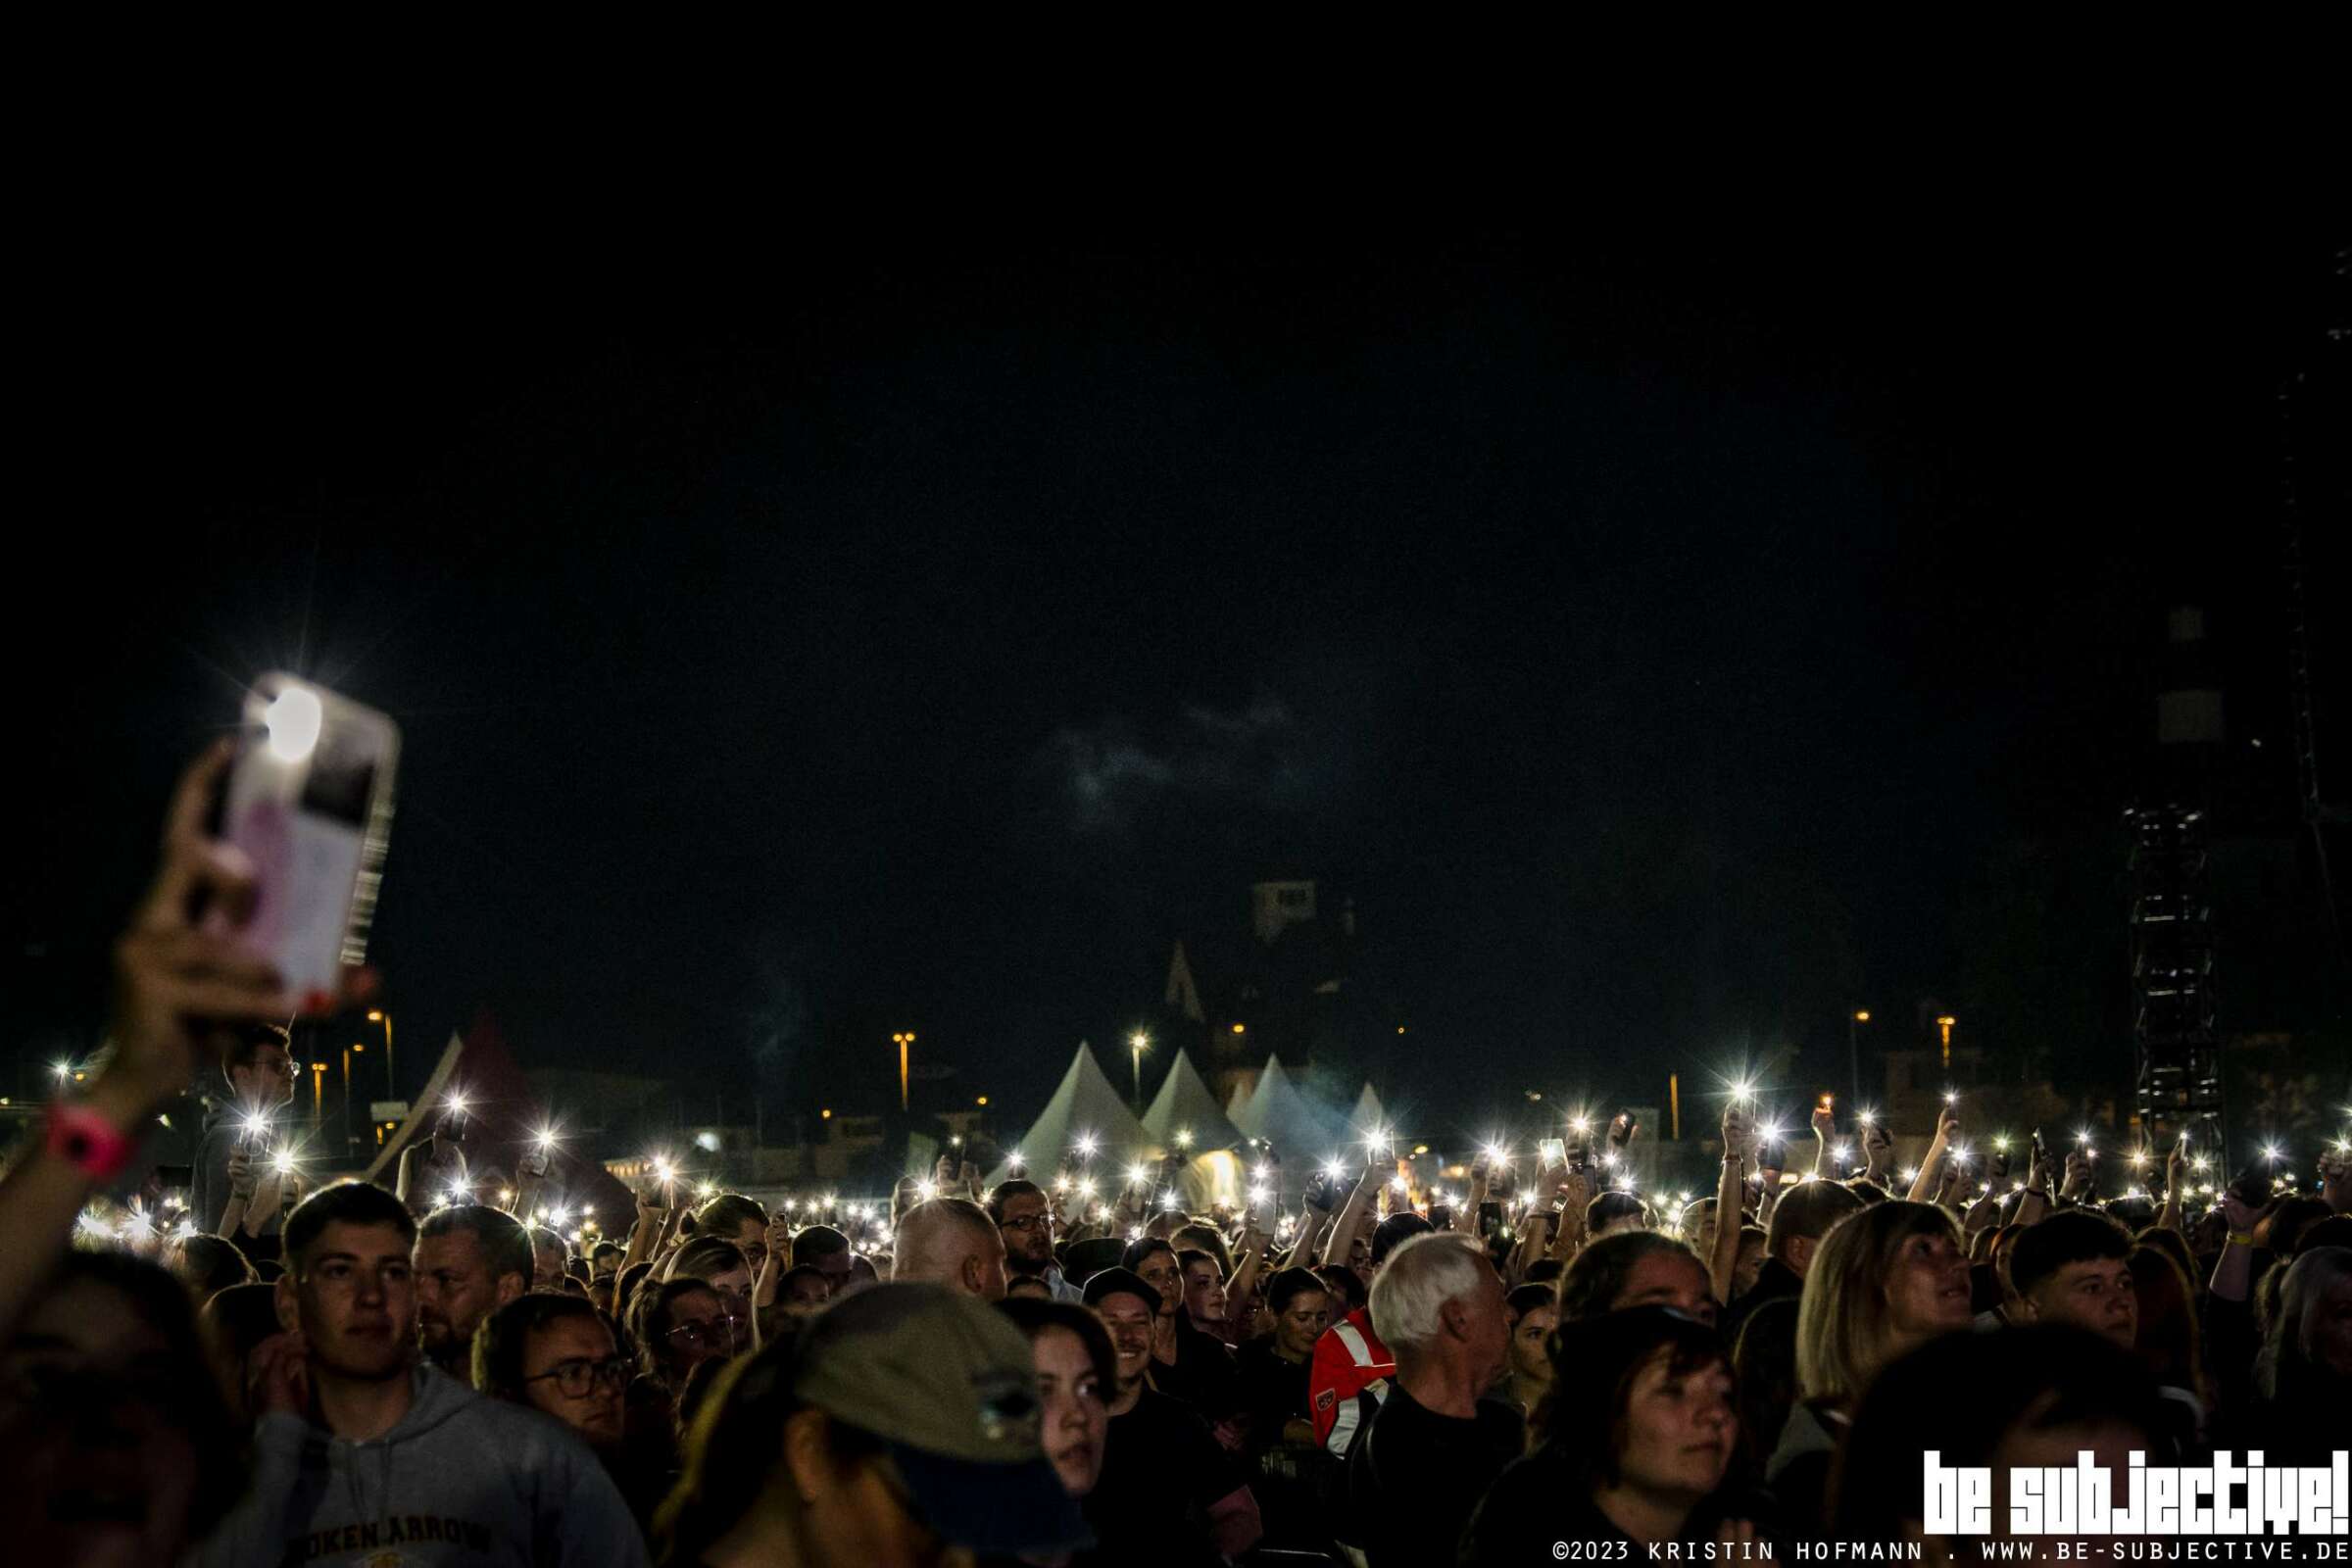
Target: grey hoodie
x=461, y=1480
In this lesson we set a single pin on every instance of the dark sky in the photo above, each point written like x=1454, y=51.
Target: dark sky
x=1661, y=636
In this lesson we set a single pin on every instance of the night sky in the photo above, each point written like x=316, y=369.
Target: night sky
x=1665, y=639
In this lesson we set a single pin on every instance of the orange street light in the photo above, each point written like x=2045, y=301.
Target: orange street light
x=902, y=1041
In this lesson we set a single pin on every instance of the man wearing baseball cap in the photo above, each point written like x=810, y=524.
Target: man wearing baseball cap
x=906, y=1414
x=1167, y=1493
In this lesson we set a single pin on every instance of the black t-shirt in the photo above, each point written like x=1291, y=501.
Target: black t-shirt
x=1532, y=1504
x=1203, y=1376
x=1160, y=1471
x=1414, y=1479
x=1774, y=1280
x=1540, y=1501
x=1272, y=1391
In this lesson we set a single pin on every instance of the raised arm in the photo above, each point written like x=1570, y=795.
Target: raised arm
x=2176, y=1178
x=2233, y=1271
x=1246, y=1269
x=176, y=972
x=1723, y=1264
x=1568, y=1234
x=1351, y=1212
x=1877, y=1150
x=1464, y=1218
x=2033, y=1204
x=1825, y=1131
x=652, y=1219
x=1929, y=1179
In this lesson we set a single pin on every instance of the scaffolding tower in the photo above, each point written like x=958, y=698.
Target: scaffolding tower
x=2175, y=1023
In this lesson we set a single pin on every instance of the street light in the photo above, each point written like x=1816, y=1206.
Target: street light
x=1944, y=1025
x=1853, y=1046
x=1138, y=1043
x=902, y=1041
x=391, y=1070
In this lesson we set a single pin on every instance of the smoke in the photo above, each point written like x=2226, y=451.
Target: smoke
x=1243, y=755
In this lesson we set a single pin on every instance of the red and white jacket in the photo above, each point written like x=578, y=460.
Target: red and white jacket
x=1348, y=1380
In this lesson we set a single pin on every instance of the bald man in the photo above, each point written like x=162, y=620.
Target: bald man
x=951, y=1242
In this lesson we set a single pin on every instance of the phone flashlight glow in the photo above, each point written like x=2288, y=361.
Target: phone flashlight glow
x=294, y=720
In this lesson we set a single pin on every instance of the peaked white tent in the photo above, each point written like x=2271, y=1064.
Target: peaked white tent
x=1284, y=1116
x=1185, y=1104
x=1086, y=1104
x=1368, y=1114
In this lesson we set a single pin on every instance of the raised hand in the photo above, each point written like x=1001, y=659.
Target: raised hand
x=1739, y=1131
x=180, y=966
x=277, y=1375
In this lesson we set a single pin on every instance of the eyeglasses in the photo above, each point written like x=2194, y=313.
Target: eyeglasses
x=1022, y=1222
x=575, y=1378
x=708, y=1333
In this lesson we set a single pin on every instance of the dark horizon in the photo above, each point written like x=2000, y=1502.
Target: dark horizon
x=1666, y=647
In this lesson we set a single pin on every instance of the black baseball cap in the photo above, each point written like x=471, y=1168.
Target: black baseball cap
x=1120, y=1282
x=950, y=1386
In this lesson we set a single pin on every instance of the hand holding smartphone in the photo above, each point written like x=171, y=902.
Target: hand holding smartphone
x=307, y=802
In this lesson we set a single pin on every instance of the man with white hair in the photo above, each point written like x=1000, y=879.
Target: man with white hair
x=1437, y=1445
x=951, y=1242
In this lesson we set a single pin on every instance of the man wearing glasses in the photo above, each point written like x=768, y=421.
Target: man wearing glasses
x=362, y=1450
x=1025, y=1218
x=556, y=1355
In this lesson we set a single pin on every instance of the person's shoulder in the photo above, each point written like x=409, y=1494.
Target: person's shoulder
x=1499, y=1418
x=524, y=1438
x=1533, y=1499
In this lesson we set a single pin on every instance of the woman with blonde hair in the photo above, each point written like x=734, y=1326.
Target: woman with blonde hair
x=1883, y=1281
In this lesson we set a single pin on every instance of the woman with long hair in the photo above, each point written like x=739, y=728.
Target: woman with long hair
x=1635, y=1441
x=676, y=1325
x=2169, y=1342
x=898, y=1425
x=2304, y=1370
x=1186, y=1364
x=1883, y=1281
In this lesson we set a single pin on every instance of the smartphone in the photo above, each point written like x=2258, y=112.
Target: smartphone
x=1774, y=1154
x=1552, y=1152
x=1828, y=1103
x=1440, y=1216
x=2251, y=1187
x=1998, y=1169
x=309, y=803
x=1490, y=1218
x=1621, y=1129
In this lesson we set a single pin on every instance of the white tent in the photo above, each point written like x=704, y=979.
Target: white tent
x=1084, y=1106
x=1368, y=1114
x=1300, y=1131
x=1184, y=1104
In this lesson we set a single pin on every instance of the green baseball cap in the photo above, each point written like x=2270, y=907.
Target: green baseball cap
x=950, y=1386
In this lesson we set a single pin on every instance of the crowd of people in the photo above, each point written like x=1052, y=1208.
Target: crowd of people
x=414, y=1373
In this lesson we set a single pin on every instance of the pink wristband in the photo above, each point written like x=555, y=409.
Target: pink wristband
x=88, y=1142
